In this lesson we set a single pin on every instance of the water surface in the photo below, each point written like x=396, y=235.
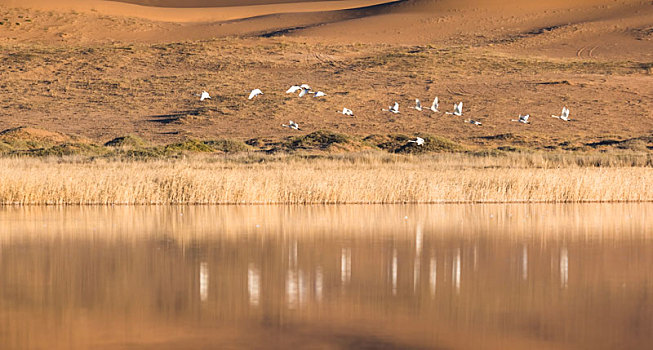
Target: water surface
x=327, y=277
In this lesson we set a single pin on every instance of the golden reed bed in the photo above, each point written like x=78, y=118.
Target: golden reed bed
x=333, y=180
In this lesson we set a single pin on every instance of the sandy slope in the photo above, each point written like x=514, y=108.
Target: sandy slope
x=109, y=68
x=553, y=28
x=541, y=28
x=187, y=13
x=210, y=3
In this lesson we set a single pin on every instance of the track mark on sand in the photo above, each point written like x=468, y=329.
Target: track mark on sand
x=586, y=52
x=592, y=51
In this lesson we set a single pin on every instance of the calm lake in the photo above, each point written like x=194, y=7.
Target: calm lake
x=327, y=277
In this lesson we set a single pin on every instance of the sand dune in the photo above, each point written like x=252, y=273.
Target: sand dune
x=223, y=11
x=553, y=28
x=210, y=3
x=537, y=28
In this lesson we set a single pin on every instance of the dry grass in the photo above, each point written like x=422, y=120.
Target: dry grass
x=369, y=178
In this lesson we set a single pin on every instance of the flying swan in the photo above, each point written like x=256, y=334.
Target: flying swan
x=255, y=93
x=291, y=125
x=457, y=110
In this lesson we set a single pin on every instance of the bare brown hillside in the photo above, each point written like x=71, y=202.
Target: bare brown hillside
x=107, y=69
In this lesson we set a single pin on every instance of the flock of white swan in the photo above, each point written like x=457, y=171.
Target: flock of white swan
x=305, y=89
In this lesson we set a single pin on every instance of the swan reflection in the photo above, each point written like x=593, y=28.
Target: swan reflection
x=394, y=271
x=433, y=275
x=253, y=285
x=204, y=281
x=524, y=263
x=564, y=267
x=318, y=284
x=418, y=255
x=456, y=271
x=291, y=289
x=345, y=266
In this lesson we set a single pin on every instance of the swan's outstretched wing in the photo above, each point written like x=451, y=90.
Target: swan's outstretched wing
x=293, y=89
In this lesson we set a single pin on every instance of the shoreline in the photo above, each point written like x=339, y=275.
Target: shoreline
x=271, y=204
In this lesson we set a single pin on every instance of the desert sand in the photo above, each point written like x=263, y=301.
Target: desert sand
x=103, y=69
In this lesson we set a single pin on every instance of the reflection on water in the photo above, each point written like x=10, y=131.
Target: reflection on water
x=433, y=275
x=333, y=277
x=345, y=266
x=204, y=281
x=564, y=267
x=253, y=285
x=394, y=271
x=524, y=263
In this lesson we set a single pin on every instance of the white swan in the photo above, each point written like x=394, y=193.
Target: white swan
x=418, y=105
x=522, y=119
x=435, y=105
x=292, y=125
x=457, y=110
x=347, y=111
x=394, y=108
x=255, y=93
x=319, y=94
x=564, y=115
x=204, y=96
x=419, y=141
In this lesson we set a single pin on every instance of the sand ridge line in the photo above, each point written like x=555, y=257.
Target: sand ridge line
x=187, y=15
